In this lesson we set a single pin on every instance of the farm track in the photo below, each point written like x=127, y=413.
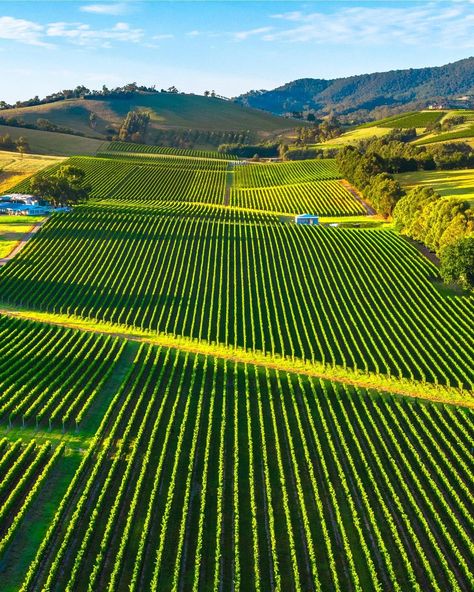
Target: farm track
x=23, y=242
x=245, y=358
x=353, y=191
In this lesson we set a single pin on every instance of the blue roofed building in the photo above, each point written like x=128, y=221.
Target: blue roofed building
x=311, y=219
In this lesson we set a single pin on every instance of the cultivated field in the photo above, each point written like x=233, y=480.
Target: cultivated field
x=188, y=437
x=123, y=148
x=455, y=184
x=266, y=515
x=200, y=274
x=416, y=119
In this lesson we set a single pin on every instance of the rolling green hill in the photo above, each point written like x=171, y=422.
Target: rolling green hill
x=420, y=120
x=53, y=143
x=167, y=110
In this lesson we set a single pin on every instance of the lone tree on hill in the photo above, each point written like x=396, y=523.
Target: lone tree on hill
x=22, y=145
x=93, y=120
x=134, y=127
x=64, y=188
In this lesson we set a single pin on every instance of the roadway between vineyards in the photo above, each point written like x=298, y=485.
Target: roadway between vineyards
x=425, y=391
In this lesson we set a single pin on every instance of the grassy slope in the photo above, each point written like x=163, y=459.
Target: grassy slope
x=459, y=132
x=12, y=230
x=53, y=143
x=14, y=168
x=168, y=111
x=352, y=137
x=418, y=119
x=457, y=184
x=407, y=120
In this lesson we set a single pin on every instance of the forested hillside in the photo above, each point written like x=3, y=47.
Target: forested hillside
x=368, y=94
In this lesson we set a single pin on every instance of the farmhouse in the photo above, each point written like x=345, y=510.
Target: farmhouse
x=19, y=209
x=19, y=204
x=307, y=219
x=20, y=198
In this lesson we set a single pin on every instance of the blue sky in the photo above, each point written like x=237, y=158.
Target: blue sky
x=230, y=47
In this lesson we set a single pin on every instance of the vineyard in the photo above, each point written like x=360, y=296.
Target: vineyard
x=210, y=475
x=23, y=469
x=230, y=461
x=121, y=148
x=416, y=119
x=285, y=173
x=325, y=197
x=292, y=187
x=143, y=182
x=60, y=389
x=348, y=302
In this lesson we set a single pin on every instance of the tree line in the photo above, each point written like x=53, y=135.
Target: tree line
x=445, y=225
x=20, y=145
x=83, y=92
x=41, y=124
x=320, y=131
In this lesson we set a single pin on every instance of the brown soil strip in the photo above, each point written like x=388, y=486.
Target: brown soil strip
x=423, y=249
x=353, y=191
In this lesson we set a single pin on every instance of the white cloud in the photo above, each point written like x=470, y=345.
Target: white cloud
x=22, y=31
x=194, y=33
x=84, y=35
x=243, y=35
x=106, y=8
x=163, y=36
x=429, y=24
x=76, y=33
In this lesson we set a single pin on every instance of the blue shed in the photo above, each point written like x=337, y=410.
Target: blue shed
x=307, y=219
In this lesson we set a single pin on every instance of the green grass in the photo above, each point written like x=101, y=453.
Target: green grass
x=417, y=119
x=53, y=143
x=13, y=229
x=461, y=131
x=352, y=137
x=32, y=529
x=456, y=184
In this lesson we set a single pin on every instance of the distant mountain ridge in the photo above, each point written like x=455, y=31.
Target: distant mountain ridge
x=373, y=95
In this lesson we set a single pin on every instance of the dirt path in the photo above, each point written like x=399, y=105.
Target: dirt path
x=353, y=191
x=423, y=249
x=461, y=398
x=22, y=243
